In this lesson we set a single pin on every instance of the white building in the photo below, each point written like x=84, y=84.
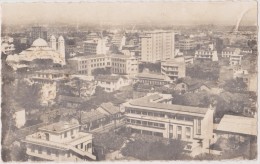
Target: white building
x=39, y=50
x=112, y=83
x=60, y=141
x=95, y=46
x=157, y=45
x=174, y=68
x=155, y=115
x=206, y=54
x=233, y=54
x=124, y=64
x=19, y=117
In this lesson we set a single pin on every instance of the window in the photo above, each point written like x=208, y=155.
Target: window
x=188, y=129
x=81, y=145
x=65, y=135
x=179, y=136
x=32, y=149
x=144, y=123
x=127, y=120
x=162, y=125
x=138, y=122
x=156, y=124
x=179, y=128
x=144, y=113
x=150, y=123
x=199, y=127
x=71, y=132
x=48, y=151
x=68, y=154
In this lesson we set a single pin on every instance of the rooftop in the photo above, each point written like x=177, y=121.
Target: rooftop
x=110, y=108
x=59, y=126
x=151, y=76
x=238, y=124
x=109, y=78
x=91, y=116
x=145, y=102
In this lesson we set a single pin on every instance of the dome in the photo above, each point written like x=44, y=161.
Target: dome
x=40, y=43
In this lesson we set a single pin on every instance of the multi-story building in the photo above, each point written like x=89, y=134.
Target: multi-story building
x=86, y=64
x=61, y=141
x=174, y=68
x=124, y=64
x=119, y=41
x=155, y=115
x=186, y=44
x=234, y=55
x=119, y=64
x=157, y=45
x=95, y=46
x=206, y=54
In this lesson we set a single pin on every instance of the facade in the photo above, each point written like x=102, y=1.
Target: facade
x=119, y=41
x=186, y=44
x=157, y=45
x=86, y=64
x=39, y=50
x=234, y=55
x=174, y=68
x=155, y=115
x=124, y=64
x=60, y=141
x=95, y=46
x=206, y=54
x=152, y=79
x=111, y=83
x=119, y=64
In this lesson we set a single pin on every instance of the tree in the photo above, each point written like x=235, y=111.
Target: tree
x=235, y=85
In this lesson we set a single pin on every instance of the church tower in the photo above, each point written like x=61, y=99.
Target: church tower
x=53, y=43
x=61, y=47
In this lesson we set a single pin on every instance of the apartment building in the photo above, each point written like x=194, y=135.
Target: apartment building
x=157, y=46
x=86, y=64
x=206, y=54
x=155, y=115
x=61, y=141
x=174, y=68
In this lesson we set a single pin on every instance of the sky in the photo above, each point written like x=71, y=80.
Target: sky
x=174, y=13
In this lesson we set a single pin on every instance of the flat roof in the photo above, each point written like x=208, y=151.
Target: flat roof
x=145, y=102
x=238, y=124
x=59, y=127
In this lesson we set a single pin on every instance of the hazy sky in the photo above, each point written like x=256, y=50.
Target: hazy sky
x=176, y=13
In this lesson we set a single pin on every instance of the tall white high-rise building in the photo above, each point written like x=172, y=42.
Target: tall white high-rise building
x=157, y=46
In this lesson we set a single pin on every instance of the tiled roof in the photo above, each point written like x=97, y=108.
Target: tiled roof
x=91, y=116
x=109, y=78
x=110, y=108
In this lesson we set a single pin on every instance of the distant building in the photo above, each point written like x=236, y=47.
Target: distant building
x=95, y=46
x=206, y=54
x=155, y=115
x=86, y=64
x=233, y=54
x=61, y=141
x=7, y=46
x=174, y=68
x=39, y=50
x=157, y=46
x=186, y=44
x=119, y=41
x=124, y=64
x=111, y=83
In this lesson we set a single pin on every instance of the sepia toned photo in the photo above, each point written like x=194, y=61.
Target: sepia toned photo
x=121, y=81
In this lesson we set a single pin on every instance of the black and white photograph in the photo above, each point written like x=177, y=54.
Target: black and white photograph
x=129, y=81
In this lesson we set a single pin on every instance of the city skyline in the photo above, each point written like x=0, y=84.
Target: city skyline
x=174, y=13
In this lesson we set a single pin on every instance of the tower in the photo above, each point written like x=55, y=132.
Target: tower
x=61, y=48
x=53, y=43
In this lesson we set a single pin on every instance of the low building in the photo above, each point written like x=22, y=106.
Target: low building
x=155, y=115
x=152, y=79
x=174, y=68
x=60, y=141
x=233, y=54
x=236, y=126
x=111, y=83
